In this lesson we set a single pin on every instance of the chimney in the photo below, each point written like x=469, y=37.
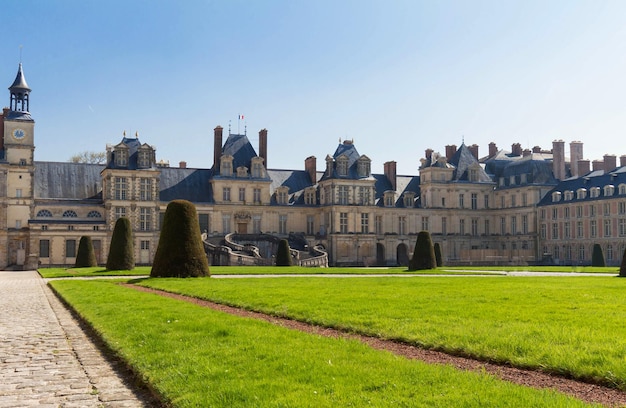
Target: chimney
x=622, y=160
x=450, y=151
x=310, y=166
x=537, y=149
x=576, y=154
x=182, y=164
x=474, y=150
x=583, y=167
x=390, y=173
x=429, y=153
x=263, y=146
x=493, y=149
x=597, y=165
x=516, y=149
x=526, y=152
x=558, y=159
x=217, y=148
x=610, y=162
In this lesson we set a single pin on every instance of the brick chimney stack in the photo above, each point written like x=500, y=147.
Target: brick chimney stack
x=182, y=164
x=217, y=148
x=558, y=159
x=516, y=149
x=263, y=146
x=310, y=166
x=597, y=165
x=450, y=151
x=576, y=154
x=390, y=173
x=474, y=150
x=622, y=160
x=537, y=149
x=610, y=162
x=493, y=149
x=526, y=152
x=583, y=167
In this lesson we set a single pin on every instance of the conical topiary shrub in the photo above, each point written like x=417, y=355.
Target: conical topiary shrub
x=424, y=253
x=86, y=256
x=622, y=267
x=283, y=254
x=597, y=257
x=438, y=257
x=121, y=252
x=180, y=252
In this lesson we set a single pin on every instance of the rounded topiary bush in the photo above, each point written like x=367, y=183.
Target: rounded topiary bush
x=86, y=256
x=180, y=252
x=424, y=253
x=622, y=267
x=121, y=251
x=597, y=257
x=438, y=257
x=283, y=254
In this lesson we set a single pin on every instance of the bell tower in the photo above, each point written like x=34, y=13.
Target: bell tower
x=18, y=130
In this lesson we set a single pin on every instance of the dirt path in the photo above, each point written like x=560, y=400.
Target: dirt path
x=581, y=390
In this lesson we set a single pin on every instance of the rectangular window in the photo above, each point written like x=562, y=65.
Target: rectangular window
x=579, y=211
x=364, y=195
x=462, y=226
x=579, y=229
x=592, y=210
x=555, y=231
x=343, y=223
x=226, y=224
x=256, y=195
x=622, y=227
x=444, y=226
x=365, y=223
x=203, y=221
x=120, y=212
x=44, y=248
x=343, y=195
x=242, y=194
x=256, y=224
x=543, y=231
x=607, y=209
x=145, y=219
x=514, y=224
x=486, y=203
x=474, y=226
x=402, y=225
x=555, y=213
x=378, y=221
x=513, y=200
x=607, y=228
x=566, y=212
x=524, y=199
x=282, y=224
x=145, y=189
x=70, y=248
x=310, y=224
x=566, y=232
x=474, y=198
x=487, y=229
x=621, y=208
x=226, y=194
x=461, y=201
x=524, y=224
x=502, y=225
x=120, y=188
x=145, y=245
x=18, y=192
x=425, y=224
x=593, y=228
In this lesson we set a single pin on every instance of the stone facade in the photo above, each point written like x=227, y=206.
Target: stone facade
x=517, y=207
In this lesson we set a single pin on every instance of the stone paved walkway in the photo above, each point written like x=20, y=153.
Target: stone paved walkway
x=46, y=360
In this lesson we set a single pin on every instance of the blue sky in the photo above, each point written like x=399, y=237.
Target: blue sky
x=396, y=76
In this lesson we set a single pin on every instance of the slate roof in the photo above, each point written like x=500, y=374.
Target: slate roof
x=462, y=160
x=188, y=184
x=588, y=181
x=403, y=184
x=347, y=149
x=133, y=145
x=240, y=148
x=20, y=81
x=59, y=180
x=296, y=180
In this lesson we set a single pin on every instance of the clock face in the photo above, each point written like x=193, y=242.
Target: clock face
x=19, y=134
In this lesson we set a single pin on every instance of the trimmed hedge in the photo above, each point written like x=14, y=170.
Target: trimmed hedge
x=180, y=253
x=622, y=267
x=424, y=253
x=283, y=254
x=86, y=256
x=122, y=251
x=597, y=257
x=438, y=257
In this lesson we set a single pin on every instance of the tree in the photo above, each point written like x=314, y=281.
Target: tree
x=283, y=254
x=89, y=157
x=438, y=257
x=180, y=252
x=121, y=251
x=597, y=257
x=86, y=256
x=622, y=267
x=424, y=253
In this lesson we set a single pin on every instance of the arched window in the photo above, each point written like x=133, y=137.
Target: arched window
x=94, y=214
x=70, y=214
x=44, y=213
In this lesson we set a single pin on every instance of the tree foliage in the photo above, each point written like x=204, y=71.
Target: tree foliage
x=438, y=257
x=89, y=157
x=622, y=267
x=121, y=251
x=86, y=256
x=180, y=252
x=283, y=254
x=597, y=256
x=424, y=253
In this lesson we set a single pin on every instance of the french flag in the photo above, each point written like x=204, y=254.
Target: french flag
x=240, y=117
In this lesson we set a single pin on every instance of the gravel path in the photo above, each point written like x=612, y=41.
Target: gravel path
x=581, y=390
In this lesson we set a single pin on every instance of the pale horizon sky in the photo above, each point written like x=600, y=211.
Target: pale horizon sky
x=395, y=76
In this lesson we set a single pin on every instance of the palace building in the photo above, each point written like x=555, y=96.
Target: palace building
x=508, y=207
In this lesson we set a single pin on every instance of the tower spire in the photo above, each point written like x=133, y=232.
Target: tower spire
x=20, y=92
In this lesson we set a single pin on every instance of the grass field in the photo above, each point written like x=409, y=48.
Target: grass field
x=195, y=356
x=571, y=326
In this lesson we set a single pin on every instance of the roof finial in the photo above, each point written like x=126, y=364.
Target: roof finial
x=136, y=135
x=21, y=53
x=462, y=139
x=229, y=127
x=124, y=133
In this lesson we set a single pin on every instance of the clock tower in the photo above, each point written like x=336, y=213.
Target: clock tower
x=16, y=174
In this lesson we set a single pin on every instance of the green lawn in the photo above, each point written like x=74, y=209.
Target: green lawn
x=91, y=271
x=195, y=356
x=572, y=326
x=569, y=269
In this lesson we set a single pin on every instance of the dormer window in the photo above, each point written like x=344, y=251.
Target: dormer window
x=622, y=189
x=342, y=166
x=581, y=193
x=556, y=196
x=226, y=166
x=121, y=157
x=594, y=192
x=144, y=159
x=364, y=167
x=512, y=180
x=569, y=195
x=242, y=171
x=389, y=199
x=609, y=190
x=523, y=178
x=282, y=195
x=258, y=171
x=309, y=196
x=409, y=199
x=473, y=175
